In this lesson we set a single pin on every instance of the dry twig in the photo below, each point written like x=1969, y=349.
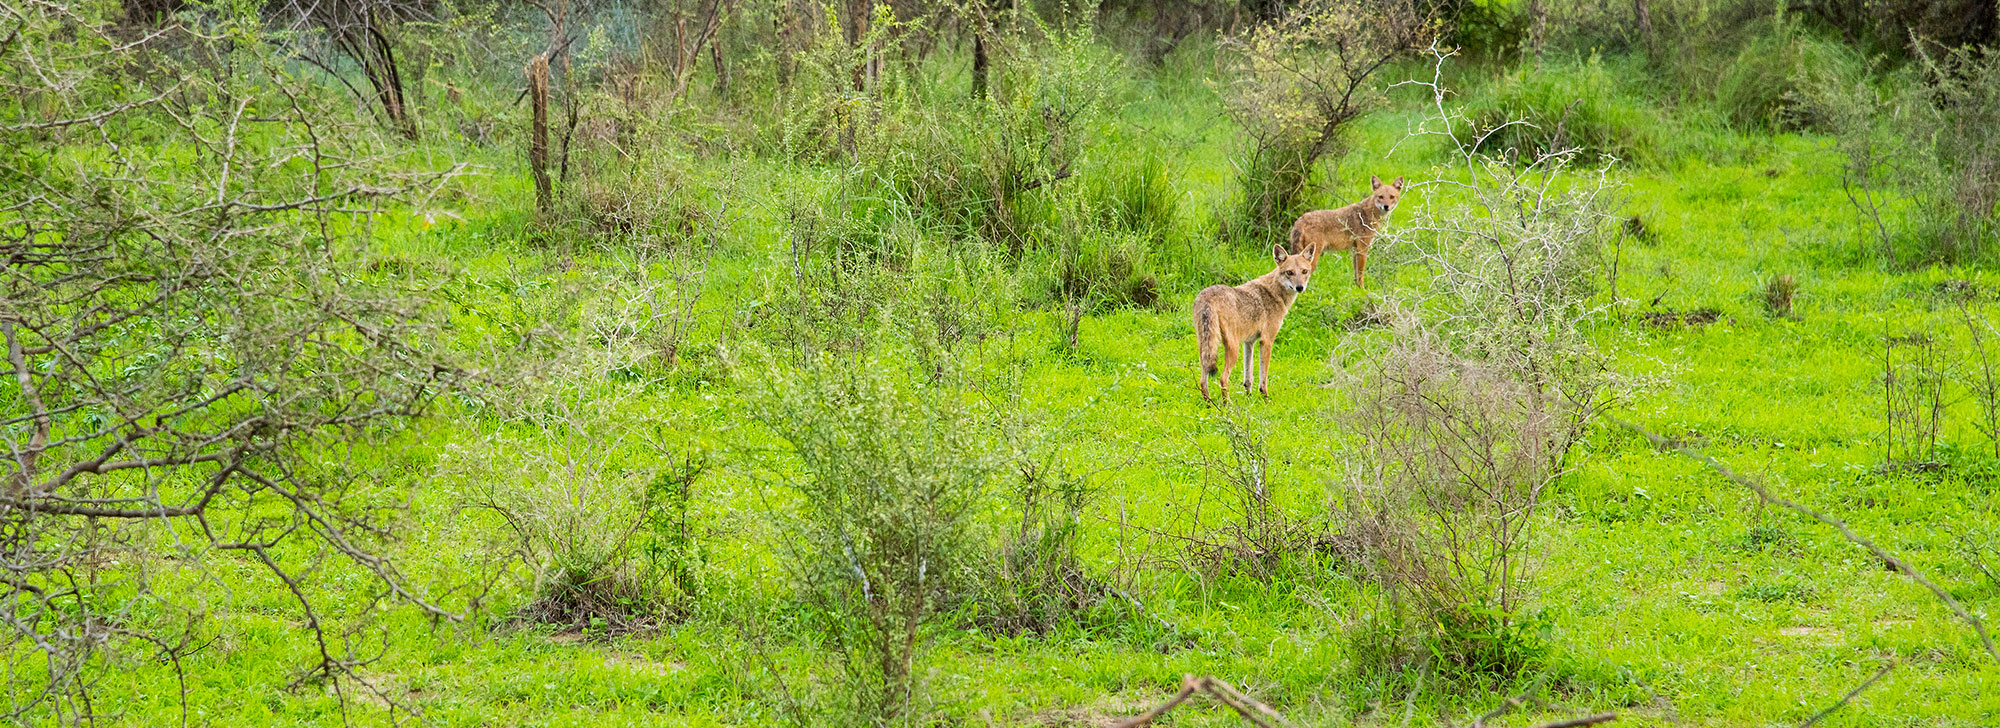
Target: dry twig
x=1244, y=705
x=1865, y=684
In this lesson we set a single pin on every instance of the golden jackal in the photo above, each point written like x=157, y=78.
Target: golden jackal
x=1353, y=226
x=1230, y=317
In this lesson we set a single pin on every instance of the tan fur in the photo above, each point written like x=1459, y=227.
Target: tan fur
x=1349, y=228
x=1228, y=317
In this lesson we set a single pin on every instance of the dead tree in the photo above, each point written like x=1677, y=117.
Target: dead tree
x=364, y=32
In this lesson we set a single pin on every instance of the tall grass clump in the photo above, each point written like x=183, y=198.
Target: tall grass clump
x=991, y=167
x=1534, y=111
x=888, y=478
x=1764, y=86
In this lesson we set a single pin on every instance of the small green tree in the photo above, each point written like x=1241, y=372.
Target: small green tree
x=888, y=477
x=1295, y=83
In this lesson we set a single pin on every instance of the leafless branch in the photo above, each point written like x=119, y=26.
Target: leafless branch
x=1849, y=697
x=1897, y=564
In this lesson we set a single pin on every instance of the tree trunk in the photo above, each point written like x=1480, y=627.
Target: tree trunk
x=979, y=64
x=538, y=133
x=721, y=69
x=857, y=34
x=1642, y=11
x=1538, y=27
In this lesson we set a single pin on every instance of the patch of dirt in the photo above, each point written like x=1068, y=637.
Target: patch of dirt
x=1802, y=631
x=1110, y=710
x=1957, y=289
x=1671, y=319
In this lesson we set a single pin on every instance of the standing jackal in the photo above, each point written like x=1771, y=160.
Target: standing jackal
x=1230, y=317
x=1353, y=226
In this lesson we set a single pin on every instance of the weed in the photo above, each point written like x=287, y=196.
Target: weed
x=1779, y=290
x=1913, y=378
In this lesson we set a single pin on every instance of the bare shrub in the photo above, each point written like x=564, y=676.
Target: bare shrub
x=1913, y=403
x=1260, y=535
x=1039, y=582
x=1470, y=414
x=1873, y=174
x=888, y=480
x=197, y=355
x=1452, y=459
x=597, y=514
x=1982, y=372
x=1295, y=83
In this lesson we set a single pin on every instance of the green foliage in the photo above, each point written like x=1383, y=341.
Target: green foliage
x=890, y=477
x=1562, y=105
x=1038, y=583
x=1957, y=113
x=1294, y=83
x=1764, y=86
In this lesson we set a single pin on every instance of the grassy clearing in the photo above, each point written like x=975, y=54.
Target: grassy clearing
x=1666, y=593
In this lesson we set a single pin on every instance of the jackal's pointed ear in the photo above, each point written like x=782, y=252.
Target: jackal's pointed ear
x=1278, y=253
x=1399, y=183
x=1374, y=181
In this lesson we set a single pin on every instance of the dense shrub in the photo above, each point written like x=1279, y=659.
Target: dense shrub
x=889, y=477
x=1563, y=105
x=1922, y=158
x=1957, y=111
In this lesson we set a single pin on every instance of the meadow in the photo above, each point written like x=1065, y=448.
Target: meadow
x=804, y=405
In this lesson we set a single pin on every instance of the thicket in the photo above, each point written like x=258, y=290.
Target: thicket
x=199, y=356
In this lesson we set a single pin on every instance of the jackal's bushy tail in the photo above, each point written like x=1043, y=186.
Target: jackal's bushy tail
x=1296, y=235
x=1208, y=335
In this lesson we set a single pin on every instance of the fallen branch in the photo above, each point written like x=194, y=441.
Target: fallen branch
x=1264, y=717
x=1586, y=720
x=1512, y=703
x=1244, y=705
x=1897, y=564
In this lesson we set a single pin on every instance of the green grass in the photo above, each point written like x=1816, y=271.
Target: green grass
x=1668, y=593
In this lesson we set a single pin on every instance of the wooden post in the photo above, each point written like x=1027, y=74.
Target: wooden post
x=538, y=134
